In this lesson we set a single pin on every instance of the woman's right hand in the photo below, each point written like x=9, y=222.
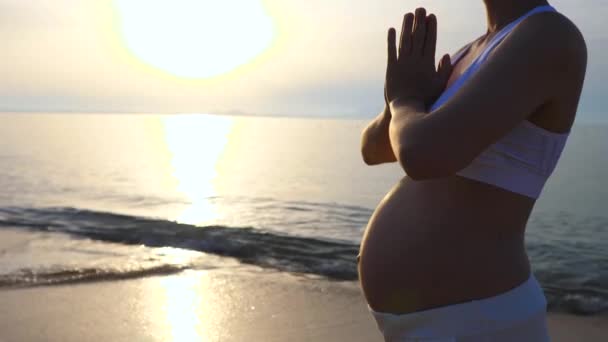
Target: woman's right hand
x=411, y=72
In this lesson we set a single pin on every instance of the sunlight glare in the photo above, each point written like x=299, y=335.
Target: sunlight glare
x=196, y=142
x=182, y=299
x=195, y=38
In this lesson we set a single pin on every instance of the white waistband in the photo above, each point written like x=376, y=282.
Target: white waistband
x=477, y=316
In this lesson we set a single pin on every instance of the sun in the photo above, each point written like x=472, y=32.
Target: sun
x=195, y=38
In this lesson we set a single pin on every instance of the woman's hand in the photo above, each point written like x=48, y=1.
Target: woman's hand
x=411, y=73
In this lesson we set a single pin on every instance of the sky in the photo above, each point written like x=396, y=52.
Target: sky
x=257, y=57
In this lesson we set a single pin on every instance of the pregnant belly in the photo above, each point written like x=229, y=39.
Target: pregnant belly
x=441, y=242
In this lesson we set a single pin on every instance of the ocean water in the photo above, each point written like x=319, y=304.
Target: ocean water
x=103, y=197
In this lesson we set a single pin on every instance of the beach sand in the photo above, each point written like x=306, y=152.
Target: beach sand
x=237, y=304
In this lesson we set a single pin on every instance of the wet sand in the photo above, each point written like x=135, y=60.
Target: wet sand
x=241, y=304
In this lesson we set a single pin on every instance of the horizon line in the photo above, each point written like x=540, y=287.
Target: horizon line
x=233, y=113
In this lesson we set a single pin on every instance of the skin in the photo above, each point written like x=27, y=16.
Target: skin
x=436, y=238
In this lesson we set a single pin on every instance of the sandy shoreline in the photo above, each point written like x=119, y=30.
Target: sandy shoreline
x=242, y=304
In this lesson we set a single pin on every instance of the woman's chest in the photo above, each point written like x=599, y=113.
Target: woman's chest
x=462, y=64
x=459, y=69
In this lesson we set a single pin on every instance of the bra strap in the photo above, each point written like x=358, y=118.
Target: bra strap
x=484, y=55
x=507, y=29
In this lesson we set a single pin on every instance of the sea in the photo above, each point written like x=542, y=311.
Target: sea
x=102, y=197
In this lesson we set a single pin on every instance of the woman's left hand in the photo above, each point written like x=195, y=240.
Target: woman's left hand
x=411, y=73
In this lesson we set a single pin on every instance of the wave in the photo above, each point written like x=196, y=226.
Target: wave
x=575, y=290
x=32, y=278
x=331, y=259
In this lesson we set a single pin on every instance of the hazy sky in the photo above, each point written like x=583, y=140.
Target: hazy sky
x=327, y=57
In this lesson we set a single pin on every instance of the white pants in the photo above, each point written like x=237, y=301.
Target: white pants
x=516, y=315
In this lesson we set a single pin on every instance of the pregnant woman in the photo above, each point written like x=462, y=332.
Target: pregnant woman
x=443, y=257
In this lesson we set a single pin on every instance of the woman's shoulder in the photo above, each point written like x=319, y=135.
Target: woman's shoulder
x=556, y=35
x=557, y=53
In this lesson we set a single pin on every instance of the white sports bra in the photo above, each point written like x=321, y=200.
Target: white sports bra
x=525, y=158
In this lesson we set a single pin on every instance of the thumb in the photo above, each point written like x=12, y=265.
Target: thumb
x=385, y=96
x=445, y=69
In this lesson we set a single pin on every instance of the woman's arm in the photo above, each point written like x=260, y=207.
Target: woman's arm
x=542, y=60
x=375, y=143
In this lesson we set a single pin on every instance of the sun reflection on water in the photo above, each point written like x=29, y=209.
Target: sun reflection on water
x=196, y=143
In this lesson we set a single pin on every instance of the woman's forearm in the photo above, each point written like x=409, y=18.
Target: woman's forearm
x=375, y=143
x=404, y=133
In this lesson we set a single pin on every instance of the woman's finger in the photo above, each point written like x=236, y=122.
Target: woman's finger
x=419, y=33
x=405, y=43
x=445, y=69
x=392, y=48
x=430, y=42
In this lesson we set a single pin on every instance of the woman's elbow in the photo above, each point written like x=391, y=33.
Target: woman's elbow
x=369, y=152
x=369, y=157
x=411, y=167
x=421, y=165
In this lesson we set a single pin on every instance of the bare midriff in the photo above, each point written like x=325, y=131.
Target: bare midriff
x=441, y=242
